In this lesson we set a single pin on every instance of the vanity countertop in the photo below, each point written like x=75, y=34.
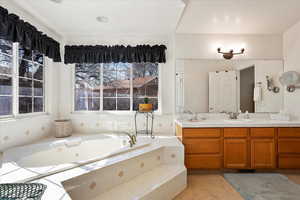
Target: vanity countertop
x=221, y=123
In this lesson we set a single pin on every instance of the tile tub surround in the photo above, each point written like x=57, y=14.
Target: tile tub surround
x=89, y=123
x=16, y=132
x=163, y=152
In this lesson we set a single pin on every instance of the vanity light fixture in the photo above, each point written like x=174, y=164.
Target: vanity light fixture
x=229, y=55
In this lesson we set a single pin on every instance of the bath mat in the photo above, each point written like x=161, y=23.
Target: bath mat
x=22, y=191
x=264, y=186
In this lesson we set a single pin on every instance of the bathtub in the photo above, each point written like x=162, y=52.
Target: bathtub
x=100, y=165
x=57, y=155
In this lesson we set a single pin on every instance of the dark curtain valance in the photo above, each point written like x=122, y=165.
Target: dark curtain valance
x=115, y=54
x=14, y=29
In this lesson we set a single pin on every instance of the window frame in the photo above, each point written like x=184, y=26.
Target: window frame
x=131, y=97
x=32, y=80
x=12, y=77
x=15, y=87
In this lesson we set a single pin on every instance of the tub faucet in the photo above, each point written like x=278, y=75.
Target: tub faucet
x=132, y=139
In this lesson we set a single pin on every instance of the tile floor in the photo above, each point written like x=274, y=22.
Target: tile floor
x=213, y=186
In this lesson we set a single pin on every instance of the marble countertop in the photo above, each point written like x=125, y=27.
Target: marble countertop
x=220, y=123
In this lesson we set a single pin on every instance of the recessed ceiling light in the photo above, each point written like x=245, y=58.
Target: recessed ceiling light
x=57, y=1
x=102, y=19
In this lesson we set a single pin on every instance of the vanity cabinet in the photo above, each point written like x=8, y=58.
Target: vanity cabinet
x=241, y=148
x=203, y=147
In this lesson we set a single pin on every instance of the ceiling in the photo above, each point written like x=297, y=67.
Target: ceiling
x=72, y=18
x=75, y=19
x=239, y=16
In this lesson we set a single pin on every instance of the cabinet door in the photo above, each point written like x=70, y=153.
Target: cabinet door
x=235, y=153
x=223, y=91
x=262, y=153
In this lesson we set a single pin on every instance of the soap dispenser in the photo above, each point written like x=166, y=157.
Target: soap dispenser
x=247, y=115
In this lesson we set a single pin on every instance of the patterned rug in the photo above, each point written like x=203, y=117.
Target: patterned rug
x=264, y=186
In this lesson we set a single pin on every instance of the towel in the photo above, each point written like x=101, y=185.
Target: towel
x=257, y=94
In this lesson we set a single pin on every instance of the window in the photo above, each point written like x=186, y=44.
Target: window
x=87, y=87
x=21, y=80
x=145, y=84
x=31, y=81
x=115, y=86
x=6, y=78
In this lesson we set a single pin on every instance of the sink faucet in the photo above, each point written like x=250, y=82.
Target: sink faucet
x=194, y=115
x=132, y=139
x=233, y=115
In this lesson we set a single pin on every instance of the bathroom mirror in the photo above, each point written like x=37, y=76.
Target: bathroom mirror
x=229, y=85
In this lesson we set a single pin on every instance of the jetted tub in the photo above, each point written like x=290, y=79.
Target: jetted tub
x=50, y=157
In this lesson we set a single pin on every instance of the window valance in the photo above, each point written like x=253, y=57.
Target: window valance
x=14, y=29
x=115, y=54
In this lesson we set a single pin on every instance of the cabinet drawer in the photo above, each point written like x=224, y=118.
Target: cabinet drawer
x=289, y=161
x=262, y=132
x=289, y=145
x=235, y=132
x=203, y=162
x=201, y=132
x=289, y=132
x=202, y=145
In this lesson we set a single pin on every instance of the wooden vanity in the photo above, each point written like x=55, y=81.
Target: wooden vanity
x=241, y=148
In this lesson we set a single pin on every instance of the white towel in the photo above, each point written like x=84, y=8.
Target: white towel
x=257, y=94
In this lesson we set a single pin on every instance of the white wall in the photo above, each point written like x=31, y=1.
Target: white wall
x=89, y=122
x=291, y=51
x=204, y=46
x=14, y=132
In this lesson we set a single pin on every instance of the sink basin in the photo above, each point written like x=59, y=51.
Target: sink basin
x=237, y=120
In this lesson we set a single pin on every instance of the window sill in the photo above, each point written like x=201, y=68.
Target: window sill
x=22, y=116
x=109, y=112
x=31, y=115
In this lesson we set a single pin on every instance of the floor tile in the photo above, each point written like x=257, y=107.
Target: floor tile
x=294, y=177
x=208, y=187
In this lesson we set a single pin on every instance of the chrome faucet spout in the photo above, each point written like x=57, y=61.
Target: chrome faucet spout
x=193, y=114
x=233, y=115
x=132, y=139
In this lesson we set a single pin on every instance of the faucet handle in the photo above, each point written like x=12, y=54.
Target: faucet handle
x=131, y=143
x=134, y=138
